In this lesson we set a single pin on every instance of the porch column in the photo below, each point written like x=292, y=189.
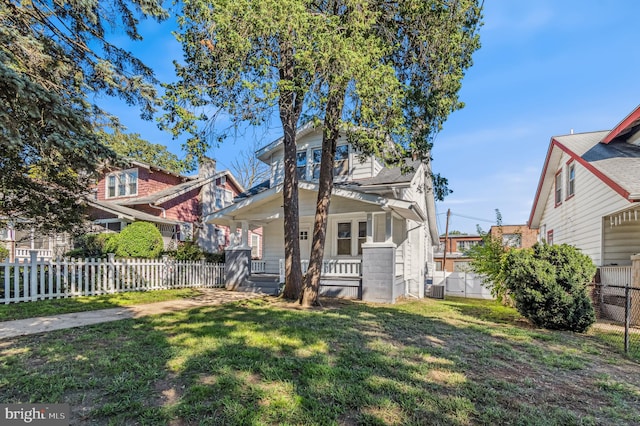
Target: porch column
x=237, y=268
x=244, y=239
x=378, y=272
x=369, y=228
x=388, y=227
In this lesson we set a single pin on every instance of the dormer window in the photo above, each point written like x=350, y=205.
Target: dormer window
x=122, y=184
x=301, y=164
x=311, y=169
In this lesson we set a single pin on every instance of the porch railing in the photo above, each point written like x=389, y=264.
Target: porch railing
x=615, y=275
x=258, y=266
x=330, y=268
x=24, y=253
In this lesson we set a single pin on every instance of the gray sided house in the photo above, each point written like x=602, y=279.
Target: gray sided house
x=381, y=228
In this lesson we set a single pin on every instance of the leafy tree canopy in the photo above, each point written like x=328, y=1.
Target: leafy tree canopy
x=132, y=146
x=54, y=59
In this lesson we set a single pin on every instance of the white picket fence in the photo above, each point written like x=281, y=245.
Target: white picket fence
x=37, y=279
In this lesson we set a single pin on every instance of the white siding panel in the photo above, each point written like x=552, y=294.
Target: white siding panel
x=273, y=245
x=578, y=220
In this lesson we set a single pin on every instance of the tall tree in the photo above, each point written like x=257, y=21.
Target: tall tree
x=246, y=59
x=428, y=44
x=54, y=59
x=131, y=145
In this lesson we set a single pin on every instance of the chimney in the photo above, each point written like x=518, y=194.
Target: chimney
x=206, y=167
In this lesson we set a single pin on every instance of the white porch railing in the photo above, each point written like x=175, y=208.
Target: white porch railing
x=258, y=266
x=24, y=253
x=330, y=268
x=616, y=275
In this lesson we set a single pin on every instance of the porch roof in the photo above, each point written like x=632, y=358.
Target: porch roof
x=127, y=213
x=266, y=206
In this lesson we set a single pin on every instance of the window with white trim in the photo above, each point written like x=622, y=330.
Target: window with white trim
x=123, y=183
x=348, y=241
x=224, y=197
x=255, y=246
x=571, y=180
x=311, y=168
x=301, y=164
x=558, y=189
x=341, y=161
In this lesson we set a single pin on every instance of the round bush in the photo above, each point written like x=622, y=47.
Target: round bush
x=140, y=239
x=548, y=285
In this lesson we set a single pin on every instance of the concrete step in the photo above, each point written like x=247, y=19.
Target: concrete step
x=272, y=290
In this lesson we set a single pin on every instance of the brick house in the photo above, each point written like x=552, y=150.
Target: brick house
x=455, y=247
x=174, y=202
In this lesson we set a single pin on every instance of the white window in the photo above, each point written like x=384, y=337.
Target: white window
x=122, y=184
x=571, y=180
x=301, y=164
x=558, y=190
x=255, y=246
x=346, y=244
x=511, y=240
x=312, y=168
x=224, y=197
x=317, y=158
x=341, y=162
x=304, y=235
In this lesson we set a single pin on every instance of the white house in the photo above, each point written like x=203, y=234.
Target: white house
x=381, y=229
x=589, y=192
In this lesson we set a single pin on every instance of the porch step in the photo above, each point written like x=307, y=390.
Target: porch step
x=262, y=284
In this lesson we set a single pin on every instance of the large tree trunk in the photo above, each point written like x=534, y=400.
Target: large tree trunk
x=330, y=136
x=290, y=104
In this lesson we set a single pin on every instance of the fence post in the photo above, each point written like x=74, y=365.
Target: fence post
x=110, y=272
x=33, y=274
x=627, y=317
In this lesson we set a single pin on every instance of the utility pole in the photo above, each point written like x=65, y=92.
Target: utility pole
x=446, y=238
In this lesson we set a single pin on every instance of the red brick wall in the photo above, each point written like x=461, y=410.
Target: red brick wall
x=148, y=183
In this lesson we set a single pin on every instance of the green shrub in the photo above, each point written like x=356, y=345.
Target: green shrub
x=214, y=257
x=94, y=245
x=140, y=239
x=4, y=253
x=188, y=251
x=548, y=285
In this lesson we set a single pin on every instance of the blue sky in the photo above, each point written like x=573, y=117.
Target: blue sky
x=545, y=67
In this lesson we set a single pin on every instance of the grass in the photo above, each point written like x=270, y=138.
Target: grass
x=24, y=310
x=264, y=362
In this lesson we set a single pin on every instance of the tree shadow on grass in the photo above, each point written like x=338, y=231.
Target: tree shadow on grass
x=254, y=362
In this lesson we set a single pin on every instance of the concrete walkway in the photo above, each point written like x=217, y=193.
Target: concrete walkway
x=209, y=297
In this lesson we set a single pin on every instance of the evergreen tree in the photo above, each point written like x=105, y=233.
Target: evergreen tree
x=54, y=59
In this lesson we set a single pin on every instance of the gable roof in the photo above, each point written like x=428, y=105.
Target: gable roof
x=630, y=122
x=616, y=163
x=172, y=192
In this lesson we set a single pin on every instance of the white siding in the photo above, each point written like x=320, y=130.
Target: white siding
x=357, y=169
x=273, y=245
x=578, y=220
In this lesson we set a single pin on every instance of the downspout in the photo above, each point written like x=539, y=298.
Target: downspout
x=164, y=213
x=406, y=290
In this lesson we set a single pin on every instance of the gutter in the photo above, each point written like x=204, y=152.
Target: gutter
x=164, y=213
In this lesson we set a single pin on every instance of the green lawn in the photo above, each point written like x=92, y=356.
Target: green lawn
x=14, y=311
x=427, y=362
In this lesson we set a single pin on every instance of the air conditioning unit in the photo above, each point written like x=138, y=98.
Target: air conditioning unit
x=436, y=291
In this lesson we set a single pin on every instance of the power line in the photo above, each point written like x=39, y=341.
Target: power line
x=469, y=217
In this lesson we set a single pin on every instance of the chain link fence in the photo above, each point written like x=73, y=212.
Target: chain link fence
x=618, y=316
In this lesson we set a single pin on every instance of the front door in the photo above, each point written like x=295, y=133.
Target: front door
x=305, y=242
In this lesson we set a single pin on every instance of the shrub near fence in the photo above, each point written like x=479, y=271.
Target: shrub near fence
x=49, y=279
